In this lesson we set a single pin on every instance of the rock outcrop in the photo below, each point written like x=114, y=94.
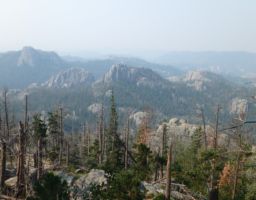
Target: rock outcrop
x=81, y=186
x=70, y=78
x=179, y=130
x=133, y=75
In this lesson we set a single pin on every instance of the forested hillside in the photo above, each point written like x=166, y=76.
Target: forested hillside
x=131, y=133
x=108, y=158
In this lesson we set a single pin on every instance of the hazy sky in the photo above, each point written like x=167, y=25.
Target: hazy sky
x=128, y=25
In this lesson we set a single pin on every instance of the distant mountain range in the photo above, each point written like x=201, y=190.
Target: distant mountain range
x=18, y=69
x=80, y=86
x=225, y=63
x=136, y=90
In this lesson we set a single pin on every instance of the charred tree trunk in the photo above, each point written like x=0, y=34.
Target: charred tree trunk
x=216, y=128
x=35, y=159
x=163, y=149
x=101, y=135
x=39, y=158
x=168, y=175
x=26, y=122
x=103, y=142
x=157, y=166
x=80, y=145
x=237, y=168
x=127, y=134
x=3, y=164
x=6, y=115
x=213, y=189
x=236, y=177
x=21, y=185
x=88, y=141
x=61, y=136
x=84, y=139
x=214, y=194
x=26, y=113
x=163, y=144
x=67, y=153
x=100, y=143
x=204, y=128
x=1, y=127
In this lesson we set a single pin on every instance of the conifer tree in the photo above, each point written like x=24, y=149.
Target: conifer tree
x=39, y=128
x=114, y=143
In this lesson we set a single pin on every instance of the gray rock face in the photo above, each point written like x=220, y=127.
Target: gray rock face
x=69, y=178
x=82, y=185
x=70, y=78
x=95, y=108
x=138, y=117
x=198, y=80
x=30, y=57
x=179, y=130
x=18, y=69
x=138, y=76
x=239, y=107
x=178, y=191
x=95, y=176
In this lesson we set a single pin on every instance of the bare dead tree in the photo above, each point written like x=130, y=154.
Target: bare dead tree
x=103, y=132
x=157, y=165
x=163, y=148
x=216, y=128
x=101, y=135
x=164, y=140
x=204, y=127
x=61, y=135
x=3, y=164
x=67, y=153
x=88, y=140
x=21, y=185
x=168, y=174
x=127, y=134
x=39, y=158
x=6, y=114
x=213, y=186
x=26, y=112
x=26, y=128
x=80, y=144
x=35, y=159
x=237, y=164
x=1, y=125
x=84, y=136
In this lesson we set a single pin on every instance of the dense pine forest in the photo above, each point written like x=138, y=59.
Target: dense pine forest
x=111, y=159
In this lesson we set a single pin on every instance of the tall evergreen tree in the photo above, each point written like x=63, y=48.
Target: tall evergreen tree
x=114, y=143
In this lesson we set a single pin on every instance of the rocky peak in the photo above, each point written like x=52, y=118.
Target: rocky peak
x=199, y=80
x=31, y=57
x=70, y=78
x=26, y=56
x=239, y=107
x=196, y=76
x=119, y=72
x=139, y=76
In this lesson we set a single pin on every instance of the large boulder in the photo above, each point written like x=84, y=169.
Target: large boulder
x=82, y=185
x=178, y=191
x=69, y=178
